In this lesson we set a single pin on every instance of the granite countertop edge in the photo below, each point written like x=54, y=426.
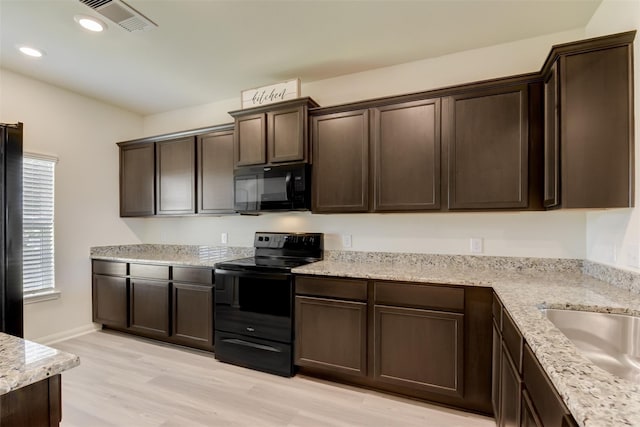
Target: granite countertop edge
x=25, y=362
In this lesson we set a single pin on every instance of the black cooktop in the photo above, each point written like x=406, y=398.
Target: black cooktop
x=279, y=252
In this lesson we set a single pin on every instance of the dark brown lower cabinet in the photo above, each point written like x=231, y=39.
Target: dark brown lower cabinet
x=110, y=300
x=38, y=404
x=529, y=416
x=192, y=314
x=421, y=349
x=522, y=397
x=149, y=302
x=510, y=392
x=496, y=366
x=331, y=334
x=168, y=303
x=427, y=341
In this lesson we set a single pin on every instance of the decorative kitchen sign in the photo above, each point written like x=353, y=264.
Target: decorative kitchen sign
x=269, y=94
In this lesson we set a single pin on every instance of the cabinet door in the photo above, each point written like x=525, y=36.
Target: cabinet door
x=406, y=156
x=341, y=162
x=286, y=135
x=510, y=392
x=496, y=360
x=331, y=335
x=529, y=416
x=176, y=174
x=215, y=172
x=192, y=313
x=419, y=349
x=250, y=140
x=596, y=129
x=487, y=138
x=551, y=139
x=149, y=301
x=110, y=300
x=137, y=182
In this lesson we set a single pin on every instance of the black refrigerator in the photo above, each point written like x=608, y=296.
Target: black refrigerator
x=11, y=311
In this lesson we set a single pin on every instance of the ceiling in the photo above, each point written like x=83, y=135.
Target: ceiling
x=208, y=50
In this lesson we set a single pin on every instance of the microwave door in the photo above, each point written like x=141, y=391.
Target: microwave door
x=277, y=191
x=247, y=193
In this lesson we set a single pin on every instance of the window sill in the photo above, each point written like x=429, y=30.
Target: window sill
x=49, y=294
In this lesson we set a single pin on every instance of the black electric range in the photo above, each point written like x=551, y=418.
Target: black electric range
x=254, y=301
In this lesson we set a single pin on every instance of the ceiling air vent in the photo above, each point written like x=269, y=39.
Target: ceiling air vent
x=122, y=14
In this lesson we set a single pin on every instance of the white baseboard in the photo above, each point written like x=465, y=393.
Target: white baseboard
x=65, y=335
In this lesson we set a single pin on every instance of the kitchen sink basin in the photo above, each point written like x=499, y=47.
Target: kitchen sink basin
x=611, y=341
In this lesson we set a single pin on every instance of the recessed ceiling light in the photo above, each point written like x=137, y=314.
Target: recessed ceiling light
x=30, y=51
x=90, y=23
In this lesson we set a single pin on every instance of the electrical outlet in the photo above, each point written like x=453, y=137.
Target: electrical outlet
x=475, y=245
x=224, y=238
x=346, y=240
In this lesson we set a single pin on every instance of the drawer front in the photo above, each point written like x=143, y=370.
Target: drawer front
x=149, y=271
x=193, y=275
x=496, y=308
x=267, y=356
x=332, y=288
x=419, y=296
x=544, y=397
x=513, y=340
x=109, y=268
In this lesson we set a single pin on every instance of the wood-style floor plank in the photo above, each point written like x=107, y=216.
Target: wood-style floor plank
x=128, y=381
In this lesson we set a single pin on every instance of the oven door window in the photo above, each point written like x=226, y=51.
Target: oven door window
x=265, y=296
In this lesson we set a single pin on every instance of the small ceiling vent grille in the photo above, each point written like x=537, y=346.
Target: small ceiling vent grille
x=122, y=14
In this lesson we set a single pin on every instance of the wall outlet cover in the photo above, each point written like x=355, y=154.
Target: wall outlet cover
x=224, y=238
x=475, y=245
x=346, y=240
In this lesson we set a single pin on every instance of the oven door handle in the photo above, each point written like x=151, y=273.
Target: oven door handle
x=251, y=344
x=253, y=273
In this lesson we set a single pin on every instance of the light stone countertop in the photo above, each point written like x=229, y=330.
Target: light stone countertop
x=24, y=362
x=594, y=397
x=182, y=255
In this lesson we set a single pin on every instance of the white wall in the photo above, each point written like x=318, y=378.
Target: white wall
x=613, y=236
x=541, y=234
x=82, y=133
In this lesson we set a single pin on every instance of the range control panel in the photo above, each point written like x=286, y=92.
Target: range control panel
x=293, y=241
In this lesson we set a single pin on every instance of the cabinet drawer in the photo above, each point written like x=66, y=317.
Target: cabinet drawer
x=149, y=271
x=420, y=296
x=496, y=308
x=109, y=268
x=194, y=275
x=332, y=288
x=513, y=340
x=544, y=397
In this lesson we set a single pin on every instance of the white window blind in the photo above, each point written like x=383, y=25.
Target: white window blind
x=38, y=191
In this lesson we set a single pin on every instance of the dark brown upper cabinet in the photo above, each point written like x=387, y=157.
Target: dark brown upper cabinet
x=341, y=162
x=137, y=183
x=160, y=175
x=406, y=156
x=589, y=124
x=175, y=176
x=272, y=134
x=486, y=132
x=215, y=172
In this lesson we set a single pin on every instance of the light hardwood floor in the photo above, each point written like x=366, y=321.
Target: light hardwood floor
x=128, y=381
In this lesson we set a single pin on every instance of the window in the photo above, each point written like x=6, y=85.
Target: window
x=37, y=225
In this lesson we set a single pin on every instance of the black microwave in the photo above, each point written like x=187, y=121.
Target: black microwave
x=272, y=188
